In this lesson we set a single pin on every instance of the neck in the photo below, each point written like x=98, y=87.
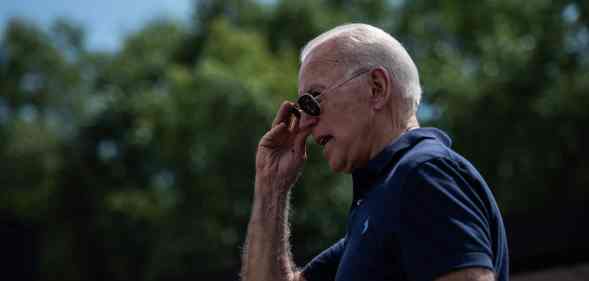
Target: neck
x=412, y=123
x=392, y=132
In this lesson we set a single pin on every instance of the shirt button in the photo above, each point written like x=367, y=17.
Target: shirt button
x=359, y=202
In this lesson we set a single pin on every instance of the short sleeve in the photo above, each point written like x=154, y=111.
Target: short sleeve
x=444, y=221
x=324, y=266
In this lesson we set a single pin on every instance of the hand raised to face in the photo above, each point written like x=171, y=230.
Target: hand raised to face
x=282, y=150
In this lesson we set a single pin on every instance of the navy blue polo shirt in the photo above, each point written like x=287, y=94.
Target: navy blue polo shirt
x=419, y=211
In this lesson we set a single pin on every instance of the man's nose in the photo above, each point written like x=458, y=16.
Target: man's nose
x=307, y=121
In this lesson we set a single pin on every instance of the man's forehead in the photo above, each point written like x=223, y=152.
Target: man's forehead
x=316, y=75
x=324, y=54
x=318, y=64
x=323, y=61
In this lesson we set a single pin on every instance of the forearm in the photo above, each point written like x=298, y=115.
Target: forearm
x=266, y=253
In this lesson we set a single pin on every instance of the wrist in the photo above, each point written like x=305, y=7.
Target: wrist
x=270, y=187
x=270, y=183
x=269, y=203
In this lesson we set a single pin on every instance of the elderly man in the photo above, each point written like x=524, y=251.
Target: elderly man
x=420, y=211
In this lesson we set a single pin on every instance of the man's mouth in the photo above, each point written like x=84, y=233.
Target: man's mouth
x=323, y=140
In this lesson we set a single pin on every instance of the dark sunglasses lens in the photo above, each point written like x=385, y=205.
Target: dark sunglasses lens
x=309, y=105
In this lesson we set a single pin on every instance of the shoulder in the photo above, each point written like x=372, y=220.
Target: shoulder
x=426, y=152
x=443, y=180
x=433, y=152
x=447, y=178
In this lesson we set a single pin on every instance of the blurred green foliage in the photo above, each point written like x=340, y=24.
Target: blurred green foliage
x=139, y=164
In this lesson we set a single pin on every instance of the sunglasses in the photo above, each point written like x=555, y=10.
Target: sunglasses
x=309, y=102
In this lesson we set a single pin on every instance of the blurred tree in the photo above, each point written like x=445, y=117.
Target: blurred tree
x=504, y=84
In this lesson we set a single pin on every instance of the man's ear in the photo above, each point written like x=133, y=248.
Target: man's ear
x=380, y=83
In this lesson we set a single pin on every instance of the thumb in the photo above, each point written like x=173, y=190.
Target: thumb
x=300, y=145
x=275, y=136
x=304, y=130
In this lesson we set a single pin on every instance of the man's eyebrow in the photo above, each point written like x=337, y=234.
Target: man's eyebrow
x=313, y=88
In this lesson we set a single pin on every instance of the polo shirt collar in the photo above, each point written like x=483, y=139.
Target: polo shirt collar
x=365, y=177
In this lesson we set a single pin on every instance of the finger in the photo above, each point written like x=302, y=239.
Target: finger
x=300, y=145
x=292, y=123
x=283, y=113
x=295, y=119
x=304, y=127
x=307, y=121
x=276, y=136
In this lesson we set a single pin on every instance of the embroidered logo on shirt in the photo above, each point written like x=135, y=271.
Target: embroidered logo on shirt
x=366, y=222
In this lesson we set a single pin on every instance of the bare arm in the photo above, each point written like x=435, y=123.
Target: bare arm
x=279, y=160
x=469, y=274
x=267, y=250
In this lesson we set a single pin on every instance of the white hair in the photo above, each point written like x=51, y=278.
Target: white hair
x=366, y=46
